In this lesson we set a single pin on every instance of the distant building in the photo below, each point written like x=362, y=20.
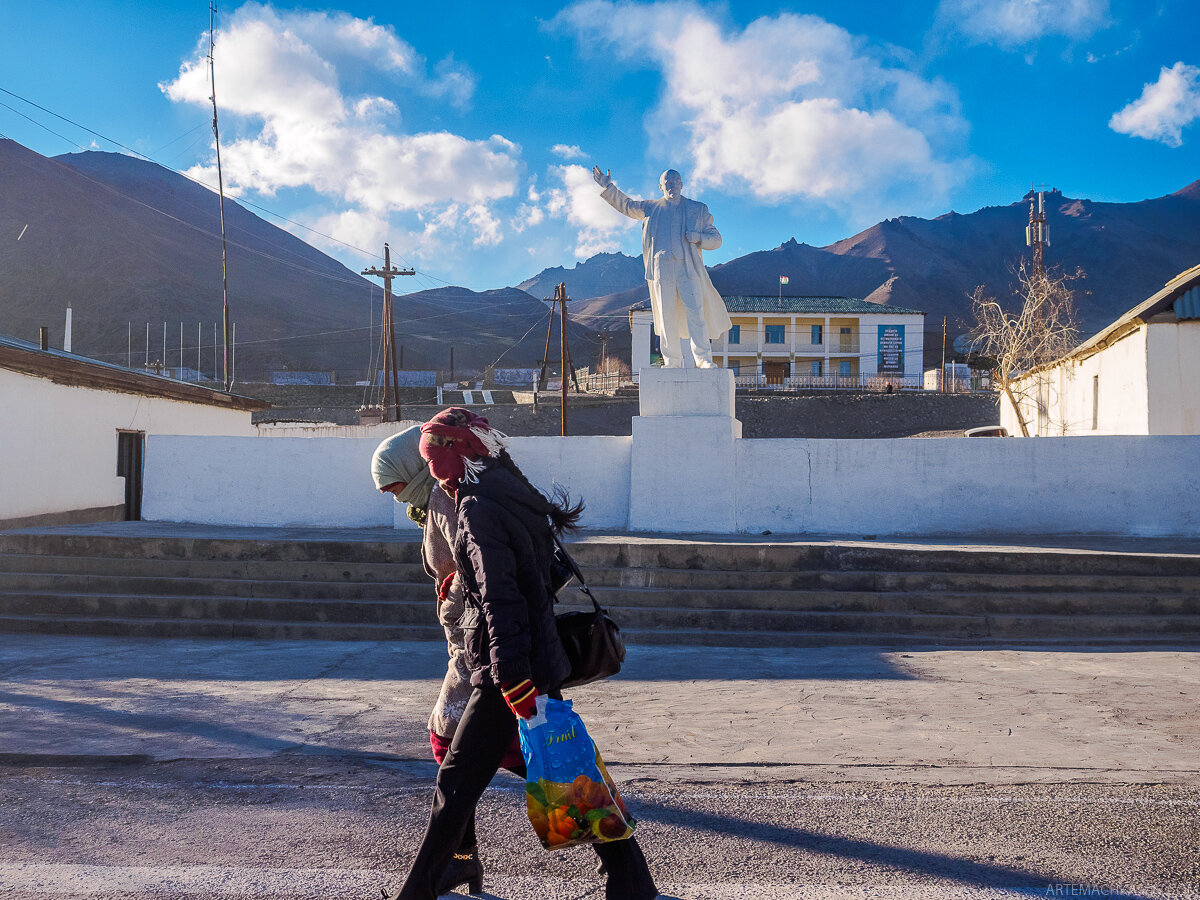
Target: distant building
x=290, y=376
x=417, y=378
x=1140, y=375
x=74, y=431
x=809, y=342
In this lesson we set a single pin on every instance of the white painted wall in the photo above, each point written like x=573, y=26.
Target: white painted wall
x=317, y=482
x=326, y=482
x=884, y=487
x=58, y=444
x=1173, y=356
x=593, y=468
x=971, y=486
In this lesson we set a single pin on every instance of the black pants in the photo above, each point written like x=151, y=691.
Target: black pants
x=484, y=734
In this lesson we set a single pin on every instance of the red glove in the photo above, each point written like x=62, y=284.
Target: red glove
x=444, y=587
x=521, y=698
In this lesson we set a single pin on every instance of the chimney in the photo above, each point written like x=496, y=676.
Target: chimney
x=44, y=337
x=67, y=332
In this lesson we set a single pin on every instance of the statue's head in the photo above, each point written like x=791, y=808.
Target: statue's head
x=671, y=183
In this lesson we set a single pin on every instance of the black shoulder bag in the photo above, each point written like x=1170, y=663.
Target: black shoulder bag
x=591, y=639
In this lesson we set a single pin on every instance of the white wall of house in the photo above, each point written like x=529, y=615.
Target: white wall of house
x=1173, y=363
x=58, y=443
x=1148, y=382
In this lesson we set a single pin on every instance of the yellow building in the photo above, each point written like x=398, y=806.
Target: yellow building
x=808, y=342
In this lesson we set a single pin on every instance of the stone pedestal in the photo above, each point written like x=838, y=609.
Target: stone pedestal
x=684, y=458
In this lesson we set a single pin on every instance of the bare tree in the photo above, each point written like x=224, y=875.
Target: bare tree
x=1039, y=329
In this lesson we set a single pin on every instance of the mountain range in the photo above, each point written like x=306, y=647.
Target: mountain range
x=1126, y=251
x=125, y=242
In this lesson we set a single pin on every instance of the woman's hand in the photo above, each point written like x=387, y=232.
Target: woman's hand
x=521, y=698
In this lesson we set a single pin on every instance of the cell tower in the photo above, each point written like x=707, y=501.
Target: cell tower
x=1037, y=232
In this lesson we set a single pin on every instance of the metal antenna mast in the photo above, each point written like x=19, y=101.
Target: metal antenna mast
x=1037, y=232
x=212, y=78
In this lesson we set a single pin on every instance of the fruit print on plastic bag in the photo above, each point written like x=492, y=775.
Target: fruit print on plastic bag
x=569, y=795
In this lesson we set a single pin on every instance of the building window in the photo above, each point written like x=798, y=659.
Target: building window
x=816, y=365
x=735, y=334
x=736, y=368
x=774, y=334
x=844, y=367
x=816, y=334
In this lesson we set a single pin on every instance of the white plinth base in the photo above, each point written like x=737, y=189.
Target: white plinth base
x=683, y=475
x=685, y=392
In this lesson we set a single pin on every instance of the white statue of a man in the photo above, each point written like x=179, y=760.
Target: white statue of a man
x=674, y=232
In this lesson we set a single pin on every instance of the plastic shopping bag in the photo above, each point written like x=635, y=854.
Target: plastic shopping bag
x=569, y=795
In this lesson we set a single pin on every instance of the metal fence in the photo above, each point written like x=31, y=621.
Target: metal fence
x=767, y=381
x=760, y=381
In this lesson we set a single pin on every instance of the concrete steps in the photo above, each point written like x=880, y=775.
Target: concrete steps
x=734, y=593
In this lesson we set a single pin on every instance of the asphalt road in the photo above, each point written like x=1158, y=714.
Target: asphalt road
x=322, y=826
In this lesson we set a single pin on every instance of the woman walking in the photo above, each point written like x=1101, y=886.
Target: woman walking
x=398, y=468
x=503, y=547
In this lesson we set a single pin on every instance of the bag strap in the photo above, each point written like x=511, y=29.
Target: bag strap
x=578, y=574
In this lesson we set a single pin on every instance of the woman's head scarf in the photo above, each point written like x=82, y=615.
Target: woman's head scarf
x=399, y=459
x=455, y=442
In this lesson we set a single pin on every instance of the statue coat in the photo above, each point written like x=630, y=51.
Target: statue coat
x=696, y=217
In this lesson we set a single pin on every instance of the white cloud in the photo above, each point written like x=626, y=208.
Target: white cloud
x=1165, y=108
x=601, y=229
x=567, y=151
x=282, y=75
x=791, y=106
x=1018, y=23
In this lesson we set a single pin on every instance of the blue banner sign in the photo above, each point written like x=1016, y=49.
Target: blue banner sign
x=891, y=349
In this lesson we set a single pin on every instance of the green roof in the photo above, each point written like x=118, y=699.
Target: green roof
x=750, y=304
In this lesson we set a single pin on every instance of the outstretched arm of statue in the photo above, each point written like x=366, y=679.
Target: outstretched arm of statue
x=635, y=209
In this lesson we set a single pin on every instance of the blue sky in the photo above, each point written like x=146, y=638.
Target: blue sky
x=462, y=133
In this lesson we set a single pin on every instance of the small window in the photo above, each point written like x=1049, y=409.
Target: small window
x=736, y=368
x=816, y=334
x=735, y=334
x=845, y=332
x=844, y=367
x=816, y=364
x=774, y=334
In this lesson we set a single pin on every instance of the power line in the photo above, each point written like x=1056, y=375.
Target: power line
x=144, y=156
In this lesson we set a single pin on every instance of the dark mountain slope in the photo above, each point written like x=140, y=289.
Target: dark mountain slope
x=157, y=258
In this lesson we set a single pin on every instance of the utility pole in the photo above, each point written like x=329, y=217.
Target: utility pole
x=560, y=301
x=942, y=379
x=212, y=79
x=391, y=379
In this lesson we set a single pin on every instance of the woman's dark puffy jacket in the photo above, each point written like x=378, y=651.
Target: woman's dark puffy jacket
x=503, y=546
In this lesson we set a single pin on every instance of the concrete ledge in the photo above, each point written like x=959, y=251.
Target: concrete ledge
x=69, y=517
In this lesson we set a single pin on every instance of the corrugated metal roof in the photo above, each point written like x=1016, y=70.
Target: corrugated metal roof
x=737, y=303
x=1187, y=306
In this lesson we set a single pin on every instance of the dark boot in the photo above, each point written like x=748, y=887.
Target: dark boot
x=464, y=868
